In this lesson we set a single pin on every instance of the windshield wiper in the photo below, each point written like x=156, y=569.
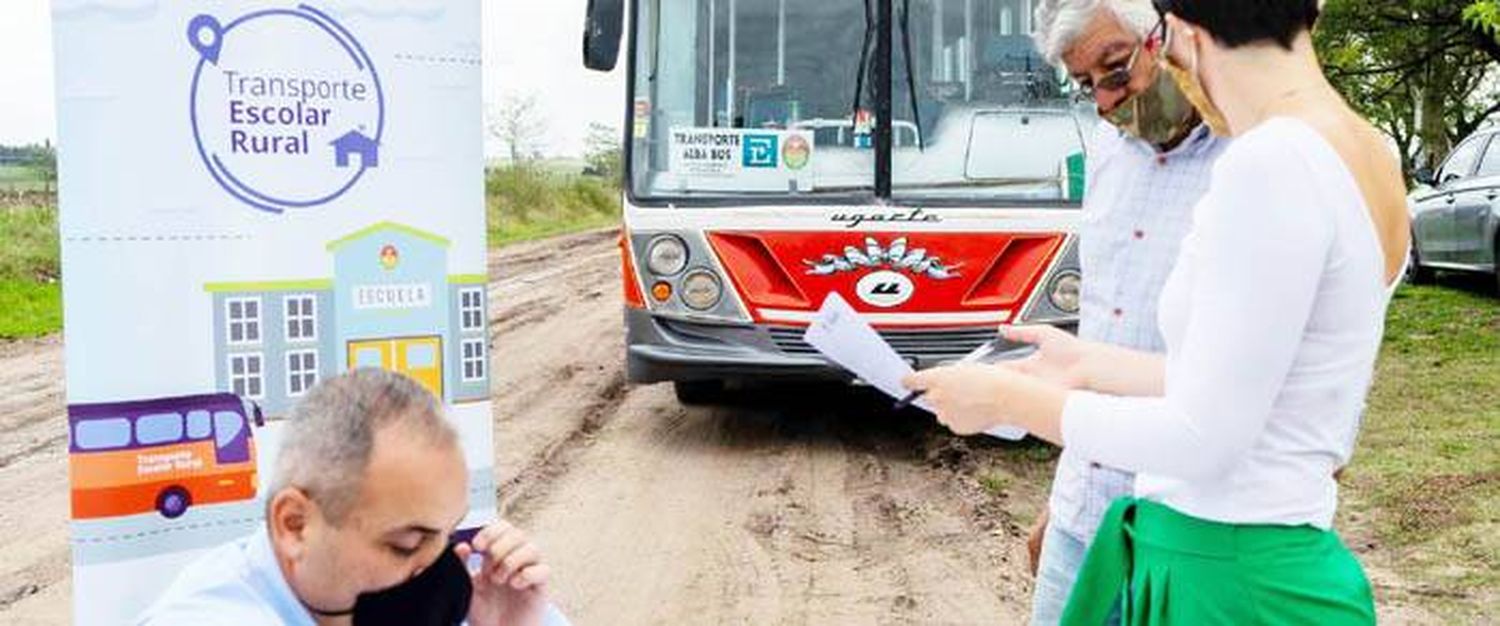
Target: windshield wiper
x=911, y=77
x=864, y=63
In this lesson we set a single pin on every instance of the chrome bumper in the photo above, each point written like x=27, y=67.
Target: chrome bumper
x=662, y=349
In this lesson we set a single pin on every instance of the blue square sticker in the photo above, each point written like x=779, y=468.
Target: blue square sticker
x=761, y=150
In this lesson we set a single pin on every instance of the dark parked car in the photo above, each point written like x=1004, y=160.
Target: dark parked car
x=1456, y=212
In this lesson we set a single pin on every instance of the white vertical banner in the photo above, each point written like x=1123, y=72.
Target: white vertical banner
x=255, y=195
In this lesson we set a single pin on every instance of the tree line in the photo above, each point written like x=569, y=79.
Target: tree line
x=1426, y=72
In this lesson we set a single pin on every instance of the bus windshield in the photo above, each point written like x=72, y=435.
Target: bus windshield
x=774, y=98
x=997, y=122
x=744, y=97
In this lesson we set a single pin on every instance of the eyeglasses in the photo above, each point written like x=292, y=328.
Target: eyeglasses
x=1156, y=39
x=1119, y=77
x=1114, y=79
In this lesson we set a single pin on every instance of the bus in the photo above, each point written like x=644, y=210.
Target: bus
x=162, y=455
x=917, y=157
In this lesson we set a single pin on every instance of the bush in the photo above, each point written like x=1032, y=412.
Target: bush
x=30, y=297
x=30, y=251
x=529, y=200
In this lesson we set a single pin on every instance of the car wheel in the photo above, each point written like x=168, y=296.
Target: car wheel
x=1415, y=273
x=173, y=502
x=699, y=392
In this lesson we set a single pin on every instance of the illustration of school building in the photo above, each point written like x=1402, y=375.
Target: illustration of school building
x=390, y=303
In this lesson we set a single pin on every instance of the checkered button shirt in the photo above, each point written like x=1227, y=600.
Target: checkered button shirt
x=1137, y=209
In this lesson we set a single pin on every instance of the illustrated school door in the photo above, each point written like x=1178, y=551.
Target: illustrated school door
x=421, y=358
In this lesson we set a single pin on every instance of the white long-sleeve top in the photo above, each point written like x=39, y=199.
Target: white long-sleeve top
x=1272, y=317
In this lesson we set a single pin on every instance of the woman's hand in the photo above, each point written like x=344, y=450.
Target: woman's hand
x=973, y=398
x=1059, y=359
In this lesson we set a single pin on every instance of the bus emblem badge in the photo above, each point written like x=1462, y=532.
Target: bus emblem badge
x=899, y=259
x=885, y=289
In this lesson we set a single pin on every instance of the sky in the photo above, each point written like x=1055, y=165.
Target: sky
x=531, y=47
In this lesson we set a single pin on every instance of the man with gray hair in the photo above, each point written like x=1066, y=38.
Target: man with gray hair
x=369, y=487
x=1148, y=165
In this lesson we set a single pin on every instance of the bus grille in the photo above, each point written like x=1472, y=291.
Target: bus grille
x=927, y=345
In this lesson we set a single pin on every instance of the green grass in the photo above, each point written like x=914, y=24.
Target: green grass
x=1019, y=474
x=30, y=248
x=527, y=202
x=1425, y=481
x=29, y=309
x=30, y=298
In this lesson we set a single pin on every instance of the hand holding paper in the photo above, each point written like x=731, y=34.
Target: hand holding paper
x=841, y=335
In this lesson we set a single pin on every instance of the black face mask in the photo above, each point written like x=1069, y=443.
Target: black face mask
x=439, y=596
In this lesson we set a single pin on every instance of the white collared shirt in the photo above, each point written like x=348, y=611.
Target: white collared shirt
x=1136, y=211
x=1273, y=317
x=238, y=583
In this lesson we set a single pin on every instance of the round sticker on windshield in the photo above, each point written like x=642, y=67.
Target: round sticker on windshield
x=796, y=152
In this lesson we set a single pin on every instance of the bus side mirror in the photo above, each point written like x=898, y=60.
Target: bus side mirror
x=601, y=34
x=258, y=415
x=1425, y=176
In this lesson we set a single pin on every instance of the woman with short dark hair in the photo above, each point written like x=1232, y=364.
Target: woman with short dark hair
x=1272, y=316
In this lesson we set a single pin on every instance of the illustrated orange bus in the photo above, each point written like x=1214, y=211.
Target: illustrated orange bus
x=161, y=455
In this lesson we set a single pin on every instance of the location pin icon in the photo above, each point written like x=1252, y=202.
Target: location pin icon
x=206, y=36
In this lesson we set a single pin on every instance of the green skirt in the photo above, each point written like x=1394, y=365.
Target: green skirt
x=1167, y=568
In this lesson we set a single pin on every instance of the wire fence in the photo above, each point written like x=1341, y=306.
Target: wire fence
x=22, y=184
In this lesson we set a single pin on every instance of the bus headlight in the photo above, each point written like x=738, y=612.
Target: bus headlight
x=1064, y=291
x=701, y=290
x=666, y=256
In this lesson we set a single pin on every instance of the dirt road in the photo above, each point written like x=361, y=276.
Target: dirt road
x=809, y=505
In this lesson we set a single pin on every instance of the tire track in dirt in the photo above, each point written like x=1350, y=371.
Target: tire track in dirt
x=518, y=259
x=529, y=484
x=34, y=448
x=759, y=514
x=558, y=372
x=37, y=564
x=33, y=477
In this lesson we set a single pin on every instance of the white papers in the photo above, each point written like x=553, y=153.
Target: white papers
x=841, y=335
x=846, y=339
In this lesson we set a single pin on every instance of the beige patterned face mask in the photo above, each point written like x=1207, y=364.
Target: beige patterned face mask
x=1158, y=115
x=1192, y=89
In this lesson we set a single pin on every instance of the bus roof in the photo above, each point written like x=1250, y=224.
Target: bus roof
x=180, y=404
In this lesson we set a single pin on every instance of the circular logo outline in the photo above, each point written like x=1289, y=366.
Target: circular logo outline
x=209, y=53
x=868, y=289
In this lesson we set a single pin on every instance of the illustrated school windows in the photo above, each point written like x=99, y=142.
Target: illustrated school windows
x=247, y=375
x=473, y=360
x=471, y=309
x=243, y=316
x=301, y=318
x=301, y=371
